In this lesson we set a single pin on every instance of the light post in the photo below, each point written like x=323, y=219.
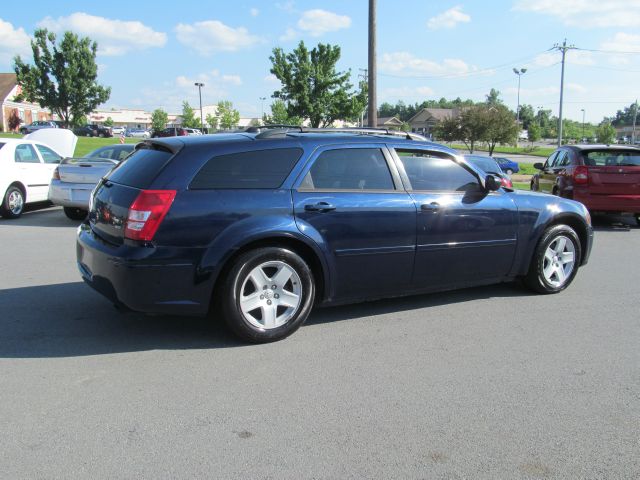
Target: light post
x=540, y=107
x=519, y=73
x=582, y=110
x=200, y=85
x=262, y=99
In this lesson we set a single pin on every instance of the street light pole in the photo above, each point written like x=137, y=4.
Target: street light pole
x=200, y=85
x=519, y=73
x=262, y=99
x=635, y=115
x=372, y=72
x=582, y=110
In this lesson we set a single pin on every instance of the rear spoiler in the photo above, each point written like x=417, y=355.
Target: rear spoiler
x=79, y=160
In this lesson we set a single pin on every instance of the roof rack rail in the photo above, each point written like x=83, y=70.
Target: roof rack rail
x=283, y=130
x=261, y=128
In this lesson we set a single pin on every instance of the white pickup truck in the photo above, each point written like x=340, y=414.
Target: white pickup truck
x=75, y=178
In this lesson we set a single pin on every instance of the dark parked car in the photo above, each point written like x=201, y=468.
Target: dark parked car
x=489, y=165
x=170, y=132
x=93, y=131
x=606, y=179
x=508, y=166
x=259, y=228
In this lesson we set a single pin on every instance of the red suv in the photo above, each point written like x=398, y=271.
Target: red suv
x=606, y=179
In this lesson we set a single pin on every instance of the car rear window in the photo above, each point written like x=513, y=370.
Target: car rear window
x=255, y=169
x=141, y=167
x=1, y=145
x=613, y=158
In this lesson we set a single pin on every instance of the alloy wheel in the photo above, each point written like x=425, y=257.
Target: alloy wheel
x=559, y=261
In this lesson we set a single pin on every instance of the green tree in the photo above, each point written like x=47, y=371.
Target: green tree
x=493, y=97
x=229, y=117
x=189, y=119
x=469, y=127
x=625, y=116
x=527, y=116
x=606, y=133
x=280, y=115
x=212, y=121
x=534, y=132
x=313, y=89
x=63, y=77
x=159, y=119
x=108, y=122
x=500, y=126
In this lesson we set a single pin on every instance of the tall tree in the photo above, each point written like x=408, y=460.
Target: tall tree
x=469, y=127
x=63, y=77
x=606, y=133
x=189, y=119
x=229, y=117
x=493, y=97
x=280, y=115
x=313, y=89
x=212, y=121
x=625, y=116
x=159, y=119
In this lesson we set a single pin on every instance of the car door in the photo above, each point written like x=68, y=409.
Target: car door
x=465, y=235
x=350, y=200
x=33, y=173
x=547, y=178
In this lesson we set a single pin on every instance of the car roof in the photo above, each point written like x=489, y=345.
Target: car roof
x=310, y=139
x=602, y=147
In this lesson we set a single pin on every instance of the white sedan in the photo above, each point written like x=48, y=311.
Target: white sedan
x=25, y=172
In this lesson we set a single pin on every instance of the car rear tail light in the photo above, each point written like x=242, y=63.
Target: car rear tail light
x=147, y=212
x=56, y=174
x=506, y=182
x=581, y=175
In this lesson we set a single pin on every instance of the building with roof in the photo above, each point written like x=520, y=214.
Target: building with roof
x=427, y=118
x=27, y=112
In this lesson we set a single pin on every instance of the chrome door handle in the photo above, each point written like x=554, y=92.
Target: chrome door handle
x=430, y=207
x=319, y=207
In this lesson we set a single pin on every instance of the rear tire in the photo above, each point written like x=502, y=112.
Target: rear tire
x=555, y=260
x=74, y=213
x=638, y=219
x=12, y=203
x=267, y=294
x=509, y=172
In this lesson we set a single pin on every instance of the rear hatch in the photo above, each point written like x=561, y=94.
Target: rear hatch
x=83, y=170
x=613, y=171
x=109, y=208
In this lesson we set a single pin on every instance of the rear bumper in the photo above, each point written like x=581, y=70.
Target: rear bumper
x=70, y=194
x=138, y=277
x=608, y=203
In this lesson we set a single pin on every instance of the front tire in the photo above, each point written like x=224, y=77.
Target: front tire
x=555, y=261
x=74, y=213
x=12, y=203
x=267, y=294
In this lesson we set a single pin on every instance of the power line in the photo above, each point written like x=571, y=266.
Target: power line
x=608, y=51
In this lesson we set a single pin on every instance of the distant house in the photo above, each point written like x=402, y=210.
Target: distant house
x=392, y=123
x=427, y=118
x=27, y=112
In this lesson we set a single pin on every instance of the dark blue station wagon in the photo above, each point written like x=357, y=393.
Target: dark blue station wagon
x=260, y=227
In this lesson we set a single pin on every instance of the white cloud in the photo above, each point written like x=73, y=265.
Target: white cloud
x=405, y=63
x=586, y=13
x=213, y=36
x=288, y=6
x=13, y=41
x=232, y=79
x=271, y=79
x=448, y=19
x=406, y=92
x=254, y=12
x=289, y=34
x=317, y=22
x=114, y=37
x=577, y=88
x=622, y=42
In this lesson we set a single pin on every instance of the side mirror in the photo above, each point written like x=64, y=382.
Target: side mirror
x=538, y=166
x=492, y=183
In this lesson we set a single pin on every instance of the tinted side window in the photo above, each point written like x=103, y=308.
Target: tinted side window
x=349, y=169
x=551, y=159
x=561, y=160
x=435, y=173
x=140, y=168
x=25, y=153
x=48, y=155
x=257, y=169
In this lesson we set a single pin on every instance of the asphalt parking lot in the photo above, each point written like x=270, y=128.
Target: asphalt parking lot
x=488, y=382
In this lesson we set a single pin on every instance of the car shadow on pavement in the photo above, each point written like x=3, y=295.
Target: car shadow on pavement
x=612, y=223
x=39, y=216
x=70, y=319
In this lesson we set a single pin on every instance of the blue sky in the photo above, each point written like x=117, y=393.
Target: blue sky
x=151, y=53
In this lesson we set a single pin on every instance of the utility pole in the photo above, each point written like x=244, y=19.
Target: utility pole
x=200, y=85
x=635, y=115
x=582, y=139
x=364, y=77
x=373, y=110
x=563, y=48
